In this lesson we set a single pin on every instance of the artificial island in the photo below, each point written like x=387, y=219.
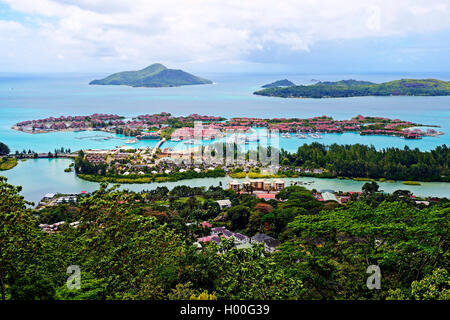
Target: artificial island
x=144, y=164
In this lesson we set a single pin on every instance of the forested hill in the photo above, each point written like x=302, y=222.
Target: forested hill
x=279, y=83
x=353, y=88
x=155, y=75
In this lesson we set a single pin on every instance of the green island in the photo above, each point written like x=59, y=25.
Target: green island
x=354, y=88
x=166, y=126
x=155, y=75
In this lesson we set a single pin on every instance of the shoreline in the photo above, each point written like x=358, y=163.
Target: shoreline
x=176, y=177
x=218, y=126
x=41, y=176
x=40, y=131
x=8, y=163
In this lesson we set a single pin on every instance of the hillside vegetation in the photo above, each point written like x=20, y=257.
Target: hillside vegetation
x=139, y=246
x=279, y=83
x=155, y=75
x=353, y=88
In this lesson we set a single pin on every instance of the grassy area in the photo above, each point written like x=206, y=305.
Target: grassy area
x=148, y=178
x=411, y=183
x=238, y=175
x=363, y=179
x=256, y=175
x=7, y=163
x=97, y=178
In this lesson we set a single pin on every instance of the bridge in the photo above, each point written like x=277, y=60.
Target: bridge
x=158, y=145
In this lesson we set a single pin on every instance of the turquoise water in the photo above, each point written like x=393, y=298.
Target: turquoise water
x=27, y=97
x=41, y=176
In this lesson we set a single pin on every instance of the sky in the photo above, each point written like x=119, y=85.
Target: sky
x=298, y=36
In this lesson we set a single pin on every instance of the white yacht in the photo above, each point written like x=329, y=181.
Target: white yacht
x=130, y=141
x=315, y=135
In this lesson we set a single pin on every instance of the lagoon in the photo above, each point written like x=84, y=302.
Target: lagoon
x=41, y=176
x=34, y=96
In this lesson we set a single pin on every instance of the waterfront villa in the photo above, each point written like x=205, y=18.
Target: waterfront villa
x=204, y=133
x=215, y=127
x=234, y=185
x=224, y=203
x=278, y=184
x=257, y=185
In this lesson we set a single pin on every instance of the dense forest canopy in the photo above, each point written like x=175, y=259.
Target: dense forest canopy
x=353, y=88
x=138, y=246
x=365, y=161
x=279, y=83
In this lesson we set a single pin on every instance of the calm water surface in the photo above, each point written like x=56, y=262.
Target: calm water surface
x=27, y=97
x=41, y=176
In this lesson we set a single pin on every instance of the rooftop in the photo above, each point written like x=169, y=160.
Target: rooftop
x=329, y=196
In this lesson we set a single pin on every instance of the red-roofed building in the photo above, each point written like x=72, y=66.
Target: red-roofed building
x=265, y=196
x=206, y=224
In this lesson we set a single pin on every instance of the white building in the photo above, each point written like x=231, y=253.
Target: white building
x=224, y=203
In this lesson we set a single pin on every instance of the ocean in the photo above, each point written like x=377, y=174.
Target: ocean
x=26, y=97
x=34, y=96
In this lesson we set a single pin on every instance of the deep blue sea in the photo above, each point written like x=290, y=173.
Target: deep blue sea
x=33, y=96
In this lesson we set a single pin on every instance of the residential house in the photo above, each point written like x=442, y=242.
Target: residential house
x=270, y=244
x=224, y=203
x=278, y=184
x=234, y=185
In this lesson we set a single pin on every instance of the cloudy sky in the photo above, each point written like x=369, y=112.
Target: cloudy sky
x=226, y=35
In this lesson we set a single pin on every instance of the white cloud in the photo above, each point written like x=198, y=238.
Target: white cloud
x=92, y=31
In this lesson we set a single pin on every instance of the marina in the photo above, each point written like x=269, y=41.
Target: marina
x=315, y=135
x=230, y=94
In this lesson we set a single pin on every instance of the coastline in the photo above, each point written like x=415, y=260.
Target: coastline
x=158, y=178
x=40, y=131
x=7, y=164
x=41, y=176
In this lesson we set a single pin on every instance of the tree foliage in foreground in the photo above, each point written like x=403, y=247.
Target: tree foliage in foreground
x=126, y=249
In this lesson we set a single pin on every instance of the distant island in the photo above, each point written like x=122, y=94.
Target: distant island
x=155, y=75
x=354, y=88
x=279, y=83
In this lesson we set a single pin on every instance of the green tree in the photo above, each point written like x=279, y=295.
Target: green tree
x=4, y=149
x=19, y=242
